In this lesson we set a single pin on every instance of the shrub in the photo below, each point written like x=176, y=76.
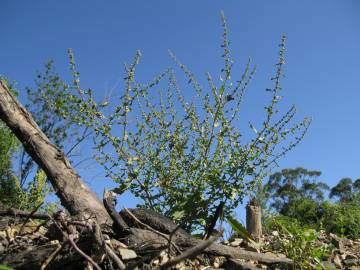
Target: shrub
x=298, y=243
x=342, y=218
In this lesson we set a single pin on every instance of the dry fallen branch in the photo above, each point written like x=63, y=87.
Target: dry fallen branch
x=20, y=213
x=109, y=203
x=70, y=238
x=188, y=254
x=52, y=256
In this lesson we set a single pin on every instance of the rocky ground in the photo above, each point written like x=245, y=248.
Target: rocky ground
x=345, y=253
x=41, y=245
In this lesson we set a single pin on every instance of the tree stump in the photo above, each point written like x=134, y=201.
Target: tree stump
x=253, y=219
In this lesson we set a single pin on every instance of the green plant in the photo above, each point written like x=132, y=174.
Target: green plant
x=289, y=190
x=183, y=158
x=239, y=229
x=27, y=188
x=342, y=218
x=8, y=148
x=298, y=243
x=346, y=190
x=4, y=267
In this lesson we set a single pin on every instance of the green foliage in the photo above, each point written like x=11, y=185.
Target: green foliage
x=180, y=157
x=239, y=229
x=296, y=193
x=4, y=267
x=298, y=243
x=342, y=218
x=8, y=147
x=28, y=190
x=183, y=157
x=346, y=190
x=33, y=196
x=49, y=106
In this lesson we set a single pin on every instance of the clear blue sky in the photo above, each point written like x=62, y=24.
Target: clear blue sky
x=322, y=71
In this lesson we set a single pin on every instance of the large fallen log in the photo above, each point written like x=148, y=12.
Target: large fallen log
x=143, y=241
x=74, y=194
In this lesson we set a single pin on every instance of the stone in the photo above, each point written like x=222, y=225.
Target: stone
x=236, y=242
x=337, y=261
x=252, y=246
x=350, y=256
x=351, y=262
x=117, y=244
x=328, y=265
x=233, y=264
x=127, y=254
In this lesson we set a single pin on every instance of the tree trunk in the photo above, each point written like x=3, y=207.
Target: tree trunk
x=253, y=219
x=75, y=196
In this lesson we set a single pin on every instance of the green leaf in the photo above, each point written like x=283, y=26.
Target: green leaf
x=4, y=267
x=221, y=90
x=179, y=215
x=239, y=228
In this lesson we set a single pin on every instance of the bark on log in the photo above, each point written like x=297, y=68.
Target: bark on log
x=75, y=196
x=153, y=219
x=143, y=241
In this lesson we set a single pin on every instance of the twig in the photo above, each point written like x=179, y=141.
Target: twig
x=88, y=258
x=172, y=234
x=28, y=217
x=188, y=254
x=73, y=244
x=115, y=258
x=20, y=213
x=219, y=213
x=52, y=256
x=108, y=250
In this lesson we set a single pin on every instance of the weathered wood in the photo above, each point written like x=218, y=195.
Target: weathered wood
x=20, y=213
x=32, y=259
x=119, y=224
x=143, y=241
x=74, y=194
x=232, y=264
x=253, y=219
x=153, y=219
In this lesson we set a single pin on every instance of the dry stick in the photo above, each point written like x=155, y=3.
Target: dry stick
x=88, y=258
x=190, y=253
x=218, y=214
x=113, y=256
x=171, y=235
x=109, y=251
x=20, y=213
x=28, y=218
x=152, y=229
x=52, y=256
x=73, y=244
x=109, y=203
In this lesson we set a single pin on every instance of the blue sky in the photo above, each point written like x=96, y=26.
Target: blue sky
x=322, y=70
